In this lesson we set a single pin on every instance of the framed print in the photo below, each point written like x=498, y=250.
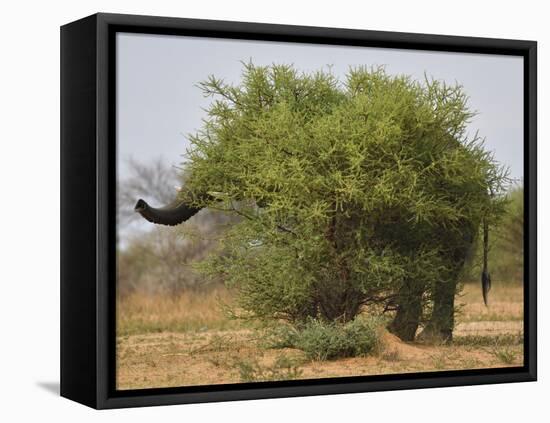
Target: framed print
x=256, y=211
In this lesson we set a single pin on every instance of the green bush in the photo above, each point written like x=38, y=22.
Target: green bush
x=322, y=340
x=354, y=191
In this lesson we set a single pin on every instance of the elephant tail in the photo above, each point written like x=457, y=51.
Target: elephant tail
x=485, y=275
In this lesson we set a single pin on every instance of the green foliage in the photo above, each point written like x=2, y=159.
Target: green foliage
x=322, y=340
x=349, y=190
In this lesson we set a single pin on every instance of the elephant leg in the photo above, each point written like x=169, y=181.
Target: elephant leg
x=408, y=314
x=441, y=324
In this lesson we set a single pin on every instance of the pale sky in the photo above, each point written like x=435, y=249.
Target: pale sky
x=158, y=102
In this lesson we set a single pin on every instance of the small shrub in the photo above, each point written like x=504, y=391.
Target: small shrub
x=284, y=368
x=392, y=355
x=321, y=340
x=439, y=361
x=504, y=354
x=489, y=340
x=217, y=343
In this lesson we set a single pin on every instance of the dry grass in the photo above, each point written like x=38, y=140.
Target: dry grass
x=188, y=340
x=505, y=303
x=140, y=313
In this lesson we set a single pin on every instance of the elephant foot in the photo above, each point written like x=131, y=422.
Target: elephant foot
x=432, y=334
x=405, y=332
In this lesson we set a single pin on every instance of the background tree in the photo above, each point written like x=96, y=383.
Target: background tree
x=508, y=246
x=155, y=179
x=506, y=243
x=158, y=260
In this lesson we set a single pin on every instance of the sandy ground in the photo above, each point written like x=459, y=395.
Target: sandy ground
x=483, y=338
x=182, y=359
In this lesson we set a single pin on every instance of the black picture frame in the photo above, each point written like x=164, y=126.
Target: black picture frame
x=88, y=209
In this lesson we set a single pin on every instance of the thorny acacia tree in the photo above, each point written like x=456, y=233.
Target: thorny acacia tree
x=356, y=192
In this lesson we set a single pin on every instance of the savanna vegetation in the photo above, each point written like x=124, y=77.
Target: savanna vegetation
x=338, y=219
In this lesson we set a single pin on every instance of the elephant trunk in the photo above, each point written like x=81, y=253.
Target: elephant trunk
x=172, y=214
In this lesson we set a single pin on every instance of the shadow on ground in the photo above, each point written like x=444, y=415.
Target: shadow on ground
x=51, y=387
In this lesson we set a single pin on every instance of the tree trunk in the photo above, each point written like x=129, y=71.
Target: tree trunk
x=337, y=298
